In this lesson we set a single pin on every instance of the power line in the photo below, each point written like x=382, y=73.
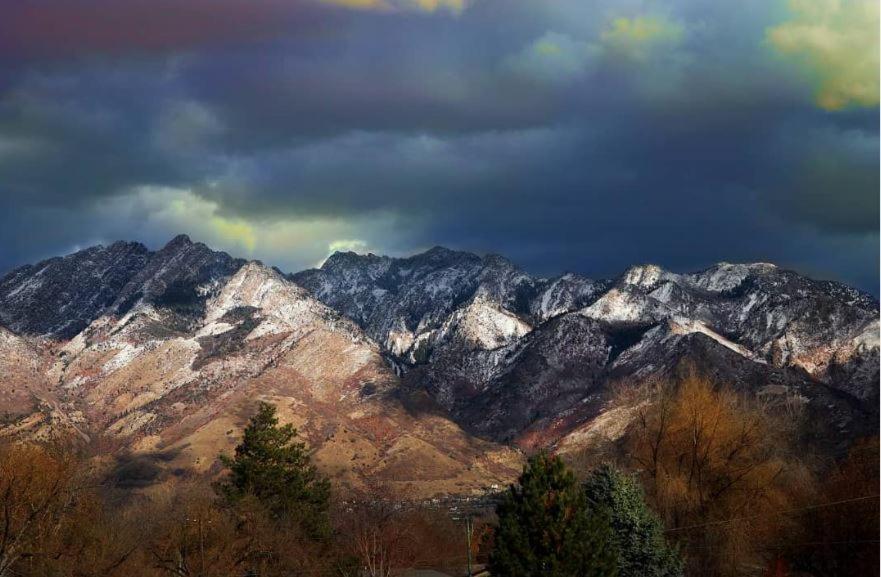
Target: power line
x=790, y=545
x=859, y=542
x=788, y=512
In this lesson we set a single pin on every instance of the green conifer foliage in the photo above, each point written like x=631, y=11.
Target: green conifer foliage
x=636, y=531
x=546, y=529
x=273, y=467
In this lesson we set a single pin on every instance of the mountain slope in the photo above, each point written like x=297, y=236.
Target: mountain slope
x=403, y=302
x=422, y=370
x=167, y=375
x=59, y=297
x=537, y=357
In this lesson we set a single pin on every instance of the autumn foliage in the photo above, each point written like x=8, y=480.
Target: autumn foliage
x=702, y=473
x=715, y=474
x=735, y=488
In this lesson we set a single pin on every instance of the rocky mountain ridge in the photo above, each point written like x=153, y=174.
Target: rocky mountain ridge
x=423, y=370
x=522, y=359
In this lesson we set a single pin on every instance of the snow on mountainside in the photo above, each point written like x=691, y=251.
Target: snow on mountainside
x=766, y=313
x=180, y=277
x=402, y=303
x=61, y=296
x=767, y=316
x=563, y=294
x=777, y=315
x=170, y=368
x=163, y=351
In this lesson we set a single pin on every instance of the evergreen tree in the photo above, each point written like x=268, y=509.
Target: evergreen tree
x=271, y=466
x=546, y=529
x=636, y=530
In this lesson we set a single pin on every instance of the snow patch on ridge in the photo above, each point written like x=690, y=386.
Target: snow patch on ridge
x=644, y=276
x=619, y=305
x=681, y=325
x=123, y=357
x=282, y=305
x=400, y=340
x=726, y=276
x=483, y=324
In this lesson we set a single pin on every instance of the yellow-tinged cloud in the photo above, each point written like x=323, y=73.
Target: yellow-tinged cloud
x=634, y=43
x=294, y=242
x=554, y=58
x=637, y=37
x=454, y=6
x=836, y=41
x=346, y=245
x=547, y=47
x=358, y=4
x=432, y=5
x=187, y=210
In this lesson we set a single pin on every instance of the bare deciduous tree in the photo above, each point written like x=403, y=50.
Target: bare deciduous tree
x=194, y=536
x=715, y=471
x=39, y=493
x=377, y=535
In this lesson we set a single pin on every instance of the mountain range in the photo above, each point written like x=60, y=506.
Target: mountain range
x=432, y=374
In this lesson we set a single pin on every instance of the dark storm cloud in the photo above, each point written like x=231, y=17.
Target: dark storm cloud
x=74, y=136
x=379, y=76
x=61, y=29
x=829, y=176
x=574, y=135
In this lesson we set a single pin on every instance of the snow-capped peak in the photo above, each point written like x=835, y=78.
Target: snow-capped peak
x=726, y=276
x=281, y=305
x=643, y=276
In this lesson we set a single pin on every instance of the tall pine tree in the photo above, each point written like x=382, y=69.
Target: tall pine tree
x=545, y=527
x=636, y=531
x=273, y=467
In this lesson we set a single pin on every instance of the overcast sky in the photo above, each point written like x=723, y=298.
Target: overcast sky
x=573, y=135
